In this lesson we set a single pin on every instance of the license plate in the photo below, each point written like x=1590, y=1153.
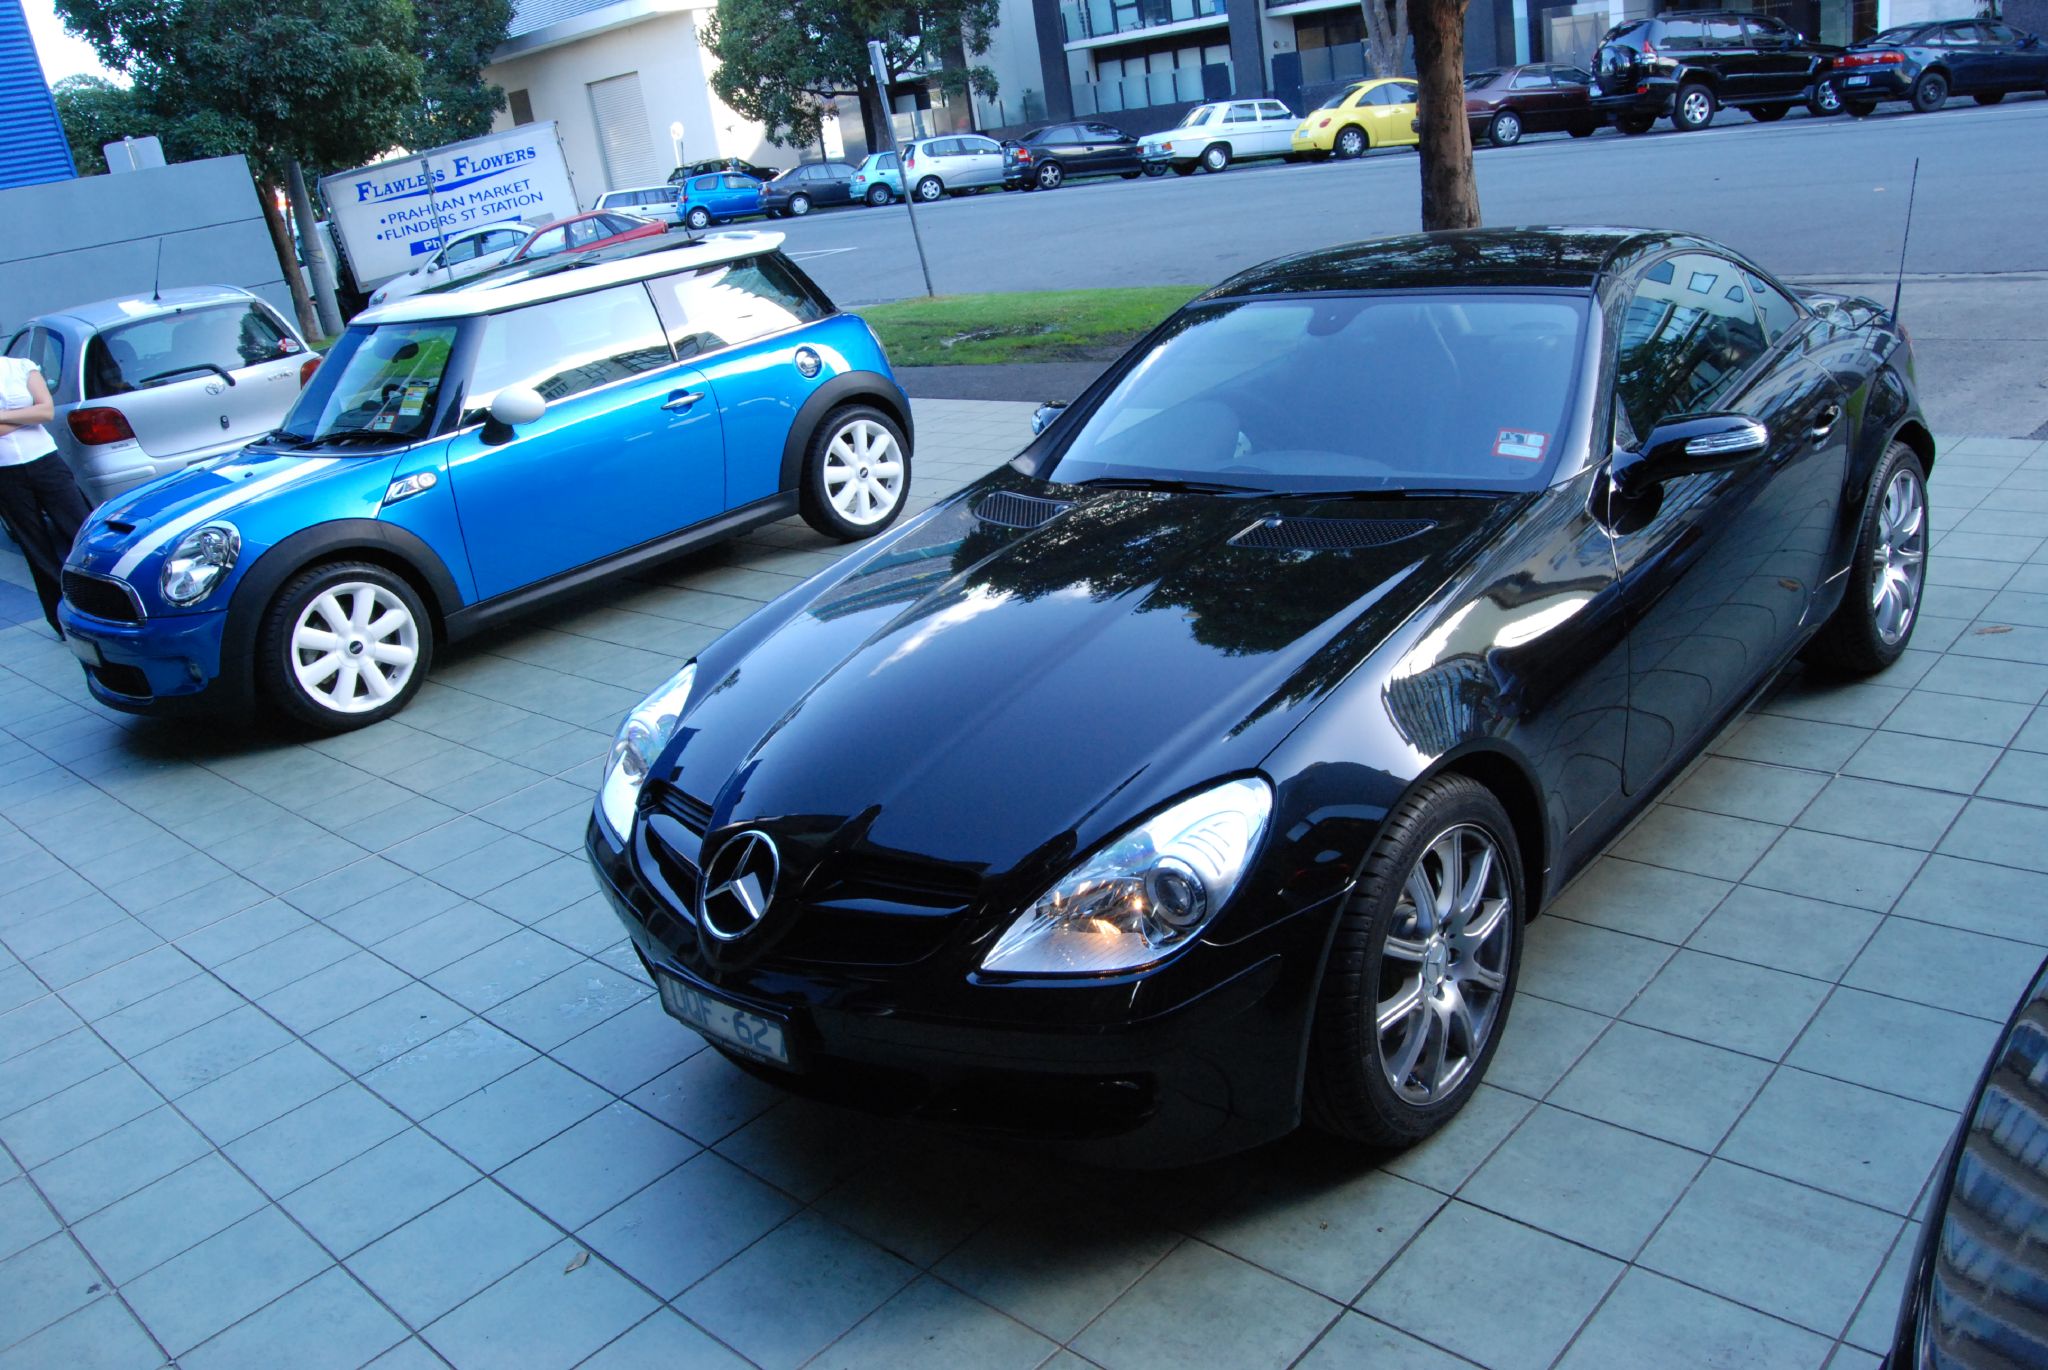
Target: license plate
x=753, y=1033
x=84, y=650
x=1856, y=81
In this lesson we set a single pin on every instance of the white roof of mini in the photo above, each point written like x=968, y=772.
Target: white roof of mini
x=569, y=279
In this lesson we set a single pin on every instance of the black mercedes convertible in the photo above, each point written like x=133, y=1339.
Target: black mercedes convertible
x=1199, y=770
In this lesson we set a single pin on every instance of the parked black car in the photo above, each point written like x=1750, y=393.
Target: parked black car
x=1690, y=65
x=1503, y=105
x=1198, y=768
x=801, y=189
x=1048, y=157
x=1978, y=1292
x=1927, y=63
x=711, y=164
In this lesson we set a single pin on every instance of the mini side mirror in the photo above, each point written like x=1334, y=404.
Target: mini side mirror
x=516, y=405
x=1686, y=447
x=1042, y=417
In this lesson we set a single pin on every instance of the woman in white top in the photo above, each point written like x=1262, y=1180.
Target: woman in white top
x=39, y=500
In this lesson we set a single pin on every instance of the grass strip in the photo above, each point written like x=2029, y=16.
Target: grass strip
x=1029, y=326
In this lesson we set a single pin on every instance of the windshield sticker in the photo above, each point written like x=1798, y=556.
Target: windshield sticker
x=411, y=402
x=1521, y=444
x=383, y=422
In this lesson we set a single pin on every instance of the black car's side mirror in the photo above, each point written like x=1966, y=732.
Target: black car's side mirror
x=1042, y=417
x=1686, y=447
x=2032, y=40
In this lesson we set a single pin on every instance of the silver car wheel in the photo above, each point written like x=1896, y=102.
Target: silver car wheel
x=354, y=647
x=1900, y=558
x=864, y=472
x=1697, y=107
x=1444, y=967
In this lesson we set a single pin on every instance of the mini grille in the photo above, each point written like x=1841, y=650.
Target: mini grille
x=1013, y=510
x=105, y=599
x=1327, y=535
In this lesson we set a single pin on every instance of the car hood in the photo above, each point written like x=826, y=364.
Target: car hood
x=988, y=699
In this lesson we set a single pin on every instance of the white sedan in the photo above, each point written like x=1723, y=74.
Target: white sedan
x=1214, y=136
x=468, y=253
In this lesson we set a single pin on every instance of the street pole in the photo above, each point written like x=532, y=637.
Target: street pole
x=881, y=69
x=317, y=265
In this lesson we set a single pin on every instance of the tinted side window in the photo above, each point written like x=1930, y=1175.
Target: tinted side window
x=1688, y=334
x=1531, y=80
x=461, y=250
x=564, y=347
x=1777, y=312
x=1998, y=33
x=1681, y=34
x=731, y=303
x=980, y=147
x=18, y=347
x=45, y=349
x=1723, y=33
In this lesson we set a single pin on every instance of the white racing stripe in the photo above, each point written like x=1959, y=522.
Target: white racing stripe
x=219, y=504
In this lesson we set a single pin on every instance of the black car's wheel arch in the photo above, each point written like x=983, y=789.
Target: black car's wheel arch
x=1507, y=777
x=853, y=387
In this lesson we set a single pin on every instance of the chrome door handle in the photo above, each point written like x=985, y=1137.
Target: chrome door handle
x=681, y=400
x=1826, y=425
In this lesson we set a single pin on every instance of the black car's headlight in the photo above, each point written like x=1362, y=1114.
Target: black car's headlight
x=1140, y=896
x=645, y=732
x=200, y=561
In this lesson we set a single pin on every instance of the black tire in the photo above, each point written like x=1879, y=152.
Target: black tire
x=1930, y=92
x=1505, y=130
x=1349, y=1091
x=1635, y=125
x=799, y=205
x=1694, y=108
x=1129, y=175
x=1859, y=109
x=1154, y=169
x=1050, y=175
x=880, y=195
x=1215, y=158
x=1351, y=141
x=930, y=189
x=282, y=657
x=1988, y=97
x=816, y=499
x=1769, y=114
x=1183, y=168
x=1584, y=130
x=698, y=218
x=1854, y=642
x=1823, y=100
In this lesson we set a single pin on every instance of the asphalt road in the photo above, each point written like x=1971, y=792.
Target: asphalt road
x=1819, y=201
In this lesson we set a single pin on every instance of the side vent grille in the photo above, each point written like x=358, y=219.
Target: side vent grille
x=1326, y=534
x=1012, y=510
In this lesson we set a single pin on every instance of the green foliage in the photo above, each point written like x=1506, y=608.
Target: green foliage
x=96, y=112
x=782, y=61
x=455, y=38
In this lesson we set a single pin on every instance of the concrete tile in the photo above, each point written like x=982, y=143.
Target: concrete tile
x=2002, y=834
x=116, y=1164
x=1824, y=1250
x=1587, y=967
x=802, y=1147
x=567, y=1004
x=45, y=1283
x=2020, y=777
x=821, y=1278
x=1877, y=1149
x=387, y=1029
x=225, y=1278
x=1444, y=1287
x=1843, y=870
x=1791, y=742
x=1929, y=762
x=1988, y=679
x=1728, y=1003
x=386, y=1186
x=1669, y=1087
x=103, y=1335
x=1056, y=1263
x=452, y=1252
x=1746, y=789
x=313, y=1139
x=1611, y=1197
x=24, y=1218
x=172, y=1215
x=544, y=1314
x=328, y=1323
x=1332, y=1228
x=629, y=1049
x=663, y=1342
x=1648, y=901
x=89, y=1108
x=1878, y=1317
x=507, y=967
x=1876, y=811
x=1702, y=843
x=511, y=1116
x=316, y=1000
x=432, y=943
x=705, y=1097
x=1924, y=1053
x=1786, y=932
x=596, y=1164
x=920, y=1194
x=53, y=1067
x=1958, y=718
x=1998, y=900
x=189, y=1004
x=1946, y=967
x=1200, y=1303
x=687, y=1224
x=248, y=1097
x=291, y=957
x=207, y=1053
x=34, y=1023
x=932, y=1326
x=1649, y=1320
x=1445, y=1160
x=1354, y=1341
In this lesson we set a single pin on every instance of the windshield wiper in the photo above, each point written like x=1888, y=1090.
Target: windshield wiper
x=1169, y=485
x=356, y=435
x=285, y=437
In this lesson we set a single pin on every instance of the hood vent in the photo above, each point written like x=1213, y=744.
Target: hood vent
x=118, y=526
x=1282, y=534
x=1012, y=510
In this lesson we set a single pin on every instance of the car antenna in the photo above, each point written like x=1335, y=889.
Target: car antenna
x=156, y=287
x=1899, y=283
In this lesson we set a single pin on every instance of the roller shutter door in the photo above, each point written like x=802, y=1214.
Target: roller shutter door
x=622, y=133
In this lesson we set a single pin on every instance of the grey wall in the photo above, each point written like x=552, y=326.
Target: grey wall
x=72, y=242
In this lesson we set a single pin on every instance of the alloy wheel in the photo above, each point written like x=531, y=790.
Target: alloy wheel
x=354, y=647
x=1696, y=108
x=1444, y=966
x=1050, y=175
x=1826, y=99
x=864, y=472
x=1899, y=560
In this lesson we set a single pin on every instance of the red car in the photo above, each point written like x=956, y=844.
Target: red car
x=584, y=232
x=1503, y=105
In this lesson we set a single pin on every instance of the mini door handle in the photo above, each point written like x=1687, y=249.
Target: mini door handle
x=682, y=400
x=1827, y=422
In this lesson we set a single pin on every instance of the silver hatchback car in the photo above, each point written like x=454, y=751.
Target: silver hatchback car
x=937, y=167
x=147, y=385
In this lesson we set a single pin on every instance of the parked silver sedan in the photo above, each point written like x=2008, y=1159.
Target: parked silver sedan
x=147, y=385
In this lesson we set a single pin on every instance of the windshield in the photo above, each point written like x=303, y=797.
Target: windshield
x=381, y=381
x=1479, y=80
x=1339, y=98
x=1343, y=392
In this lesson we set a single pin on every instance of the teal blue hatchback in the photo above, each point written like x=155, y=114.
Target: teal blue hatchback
x=462, y=456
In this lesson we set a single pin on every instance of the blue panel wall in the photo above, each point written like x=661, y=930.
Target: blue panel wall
x=33, y=150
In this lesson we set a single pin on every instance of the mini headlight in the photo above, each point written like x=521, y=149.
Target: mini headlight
x=200, y=561
x=645, y=732
x=1145, y=893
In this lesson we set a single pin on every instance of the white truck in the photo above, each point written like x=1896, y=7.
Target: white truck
x=394, y=215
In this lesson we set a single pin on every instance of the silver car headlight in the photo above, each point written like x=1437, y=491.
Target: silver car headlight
x=200, y=561
x=645, y=732
x=1147, y=892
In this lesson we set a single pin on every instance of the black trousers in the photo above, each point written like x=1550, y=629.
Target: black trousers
x=43, y=508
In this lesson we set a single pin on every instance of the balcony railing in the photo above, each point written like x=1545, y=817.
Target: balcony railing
x=1180, y=86
x=1107, y=18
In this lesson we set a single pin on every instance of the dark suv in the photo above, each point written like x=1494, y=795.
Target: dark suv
x=1690, y=65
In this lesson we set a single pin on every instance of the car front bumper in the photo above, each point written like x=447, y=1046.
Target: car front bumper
x=164, y=665
x=1212, y=1065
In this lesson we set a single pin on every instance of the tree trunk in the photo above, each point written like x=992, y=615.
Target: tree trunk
x=874, y=114
x=288, y=261
x=1386, y=36
x=1450, y=192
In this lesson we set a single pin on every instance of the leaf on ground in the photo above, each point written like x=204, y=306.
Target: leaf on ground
x=576, y=1262
x=1991, y=628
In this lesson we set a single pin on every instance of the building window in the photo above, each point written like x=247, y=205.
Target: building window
x=522, y=106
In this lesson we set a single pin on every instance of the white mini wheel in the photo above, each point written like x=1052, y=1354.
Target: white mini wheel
x=856, y=474
x=345, y=645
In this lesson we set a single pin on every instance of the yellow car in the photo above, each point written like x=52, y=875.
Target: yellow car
x=1359, y=118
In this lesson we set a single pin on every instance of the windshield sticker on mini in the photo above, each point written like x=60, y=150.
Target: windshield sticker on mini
x=383, y=422
x=411, y=402
x=1521, y=444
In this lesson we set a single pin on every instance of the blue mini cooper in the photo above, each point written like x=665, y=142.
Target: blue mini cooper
x=461, y=456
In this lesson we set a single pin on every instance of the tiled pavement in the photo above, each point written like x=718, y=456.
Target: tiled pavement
x=326, y=1054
